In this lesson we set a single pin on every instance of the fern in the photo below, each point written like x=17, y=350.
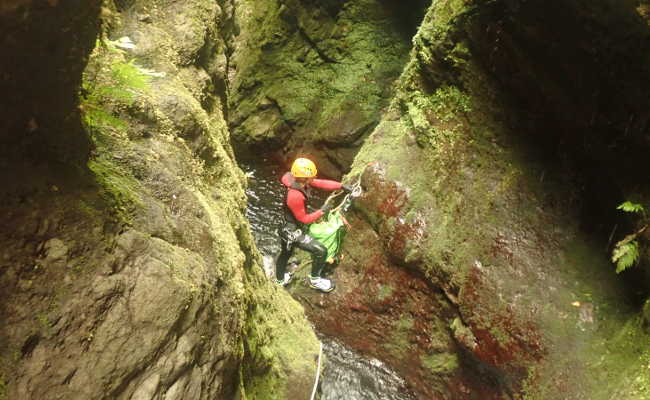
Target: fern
x=630, y=207
x=119, y=86
x=625, y=254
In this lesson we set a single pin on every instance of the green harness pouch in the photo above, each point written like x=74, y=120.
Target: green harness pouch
x=330, y=233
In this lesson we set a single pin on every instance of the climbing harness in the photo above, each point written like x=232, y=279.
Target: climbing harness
x=291, y=234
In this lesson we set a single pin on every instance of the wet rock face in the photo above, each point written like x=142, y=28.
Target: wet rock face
x=131, y=272
x=396, y=315
x=311, y=77
x=509, y=296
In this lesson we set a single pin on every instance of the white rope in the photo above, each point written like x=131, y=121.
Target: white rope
x=313, y=392
x=356, y=192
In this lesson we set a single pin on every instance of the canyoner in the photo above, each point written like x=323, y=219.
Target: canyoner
x=296, y=231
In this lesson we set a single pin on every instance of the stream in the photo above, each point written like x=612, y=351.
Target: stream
x=347, y=375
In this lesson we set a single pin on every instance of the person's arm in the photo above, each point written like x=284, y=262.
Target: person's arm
x=325, y=184
x=296, y=203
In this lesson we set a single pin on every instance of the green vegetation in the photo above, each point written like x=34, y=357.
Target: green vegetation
x=625, y=254
x=384, y=292
x=119, y=188
x=626, y=251
x=111, y=84
x=440, y=363
x=277, y=365
x=625, y=362
x=322, y=73
x=437, y=117
x=448, y=101
x=399, y=343
x=630, y=207
x=116, y=83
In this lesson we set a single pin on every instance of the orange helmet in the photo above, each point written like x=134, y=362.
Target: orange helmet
x=303, y=168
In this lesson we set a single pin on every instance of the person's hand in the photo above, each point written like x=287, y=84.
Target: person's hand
x=326, y=208
x=347, y=188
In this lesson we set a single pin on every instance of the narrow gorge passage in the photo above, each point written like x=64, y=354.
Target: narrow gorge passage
x=495, y=142
x=499, y=165
x=347, y=375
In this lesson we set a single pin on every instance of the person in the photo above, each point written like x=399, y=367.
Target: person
x=293, y=234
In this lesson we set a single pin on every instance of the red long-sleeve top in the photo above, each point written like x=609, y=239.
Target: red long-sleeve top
x=296, y=198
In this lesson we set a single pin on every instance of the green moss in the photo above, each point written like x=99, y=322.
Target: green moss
x=340, y=83
x=459, y=55
x=118, y=188
x=385, y=291
x=399, y=343
x=628, y=357
x=437, y=118
x=440, y=363
x=3, y=388
x=280, y=350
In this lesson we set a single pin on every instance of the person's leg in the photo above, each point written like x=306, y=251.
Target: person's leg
x=318, y=258
x=318, y=255
x=285, y=253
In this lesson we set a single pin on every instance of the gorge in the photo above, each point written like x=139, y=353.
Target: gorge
x=493, y=139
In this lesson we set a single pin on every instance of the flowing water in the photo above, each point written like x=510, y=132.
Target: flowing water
x=347, y=375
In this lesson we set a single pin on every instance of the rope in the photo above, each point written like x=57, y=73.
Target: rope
x=356, y=192
x=320, y=353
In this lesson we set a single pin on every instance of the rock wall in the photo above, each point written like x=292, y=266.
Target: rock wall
x=469, y=267
x=312, y=78
x=39, y=82
x=128, y=269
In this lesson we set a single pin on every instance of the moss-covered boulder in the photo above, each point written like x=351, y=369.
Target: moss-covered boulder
x=128, y=269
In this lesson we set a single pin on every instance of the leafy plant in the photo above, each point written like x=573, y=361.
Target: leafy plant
x=117, y=83
x=626, y=252
x=630, y=207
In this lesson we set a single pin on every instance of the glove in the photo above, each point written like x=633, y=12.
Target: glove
x=347, y=188
x=326, y=208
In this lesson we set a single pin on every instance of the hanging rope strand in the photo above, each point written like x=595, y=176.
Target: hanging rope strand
x=356, y=191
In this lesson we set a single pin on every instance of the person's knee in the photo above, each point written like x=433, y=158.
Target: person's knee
x=320, y=251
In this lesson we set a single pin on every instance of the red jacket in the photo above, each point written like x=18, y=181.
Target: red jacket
x=296, y=198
